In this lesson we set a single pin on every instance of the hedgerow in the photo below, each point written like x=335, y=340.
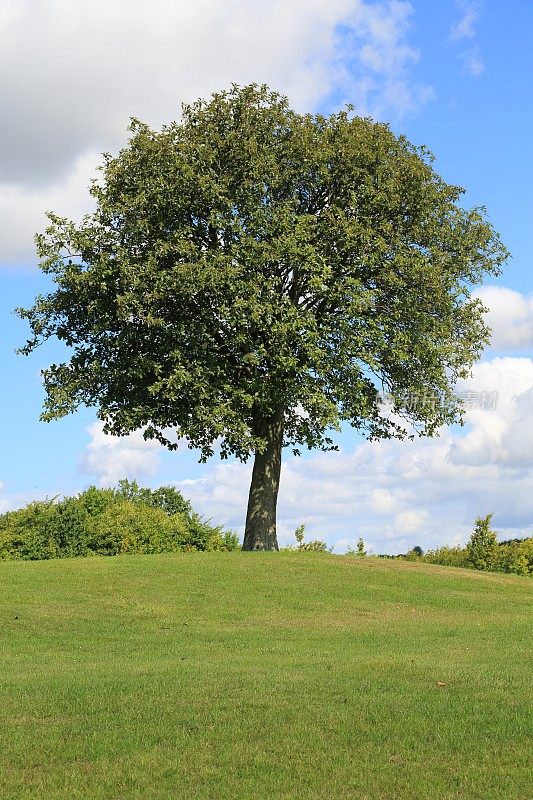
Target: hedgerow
x=129, y=519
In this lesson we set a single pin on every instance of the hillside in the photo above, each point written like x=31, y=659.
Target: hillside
x=242, y=676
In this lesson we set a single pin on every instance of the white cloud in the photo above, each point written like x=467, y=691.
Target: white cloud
x=411, y=521
x=376, y=59
x=382, y=501
x=71, y=75
x=22, y=209
x=472, y=62
x=510, y=316
x=5, y=504
x=400, y=494
x=505, y=437
x=465, y=27
x=110, y=458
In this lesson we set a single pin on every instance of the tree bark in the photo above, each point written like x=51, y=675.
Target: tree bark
x=260, y=532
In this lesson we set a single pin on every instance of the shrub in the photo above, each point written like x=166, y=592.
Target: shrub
x=516, y=557
x=359, y=550
x=68, y=527
x=126, y=527
x=447, y=556
x=95, y=501
x=167, y=498
x=29, y=533
x=482, y=552
x=314, y=546
x=201, y=535
x=110, y=521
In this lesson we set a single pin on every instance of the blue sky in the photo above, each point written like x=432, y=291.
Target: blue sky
x=455, y=76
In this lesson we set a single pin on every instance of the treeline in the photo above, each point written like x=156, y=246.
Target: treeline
x=483, y=552
x=128, y=519
x=132, y=519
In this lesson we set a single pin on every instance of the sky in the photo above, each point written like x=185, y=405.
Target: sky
x=454, y=75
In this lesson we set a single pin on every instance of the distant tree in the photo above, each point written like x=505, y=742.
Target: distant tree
x=167, y=498
x=253, y=277
x=299, y=534
x=482, y=547
x=418, y=551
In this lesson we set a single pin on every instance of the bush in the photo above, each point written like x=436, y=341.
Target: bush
x=482, y=552
x=95, y=501
x=447, y=556
x=314, y=546
x=126, y=527
x=69, y=525
x=129, y=519
x=201, y=535
x=28, y=533
x=359, y=550
x=516, y=557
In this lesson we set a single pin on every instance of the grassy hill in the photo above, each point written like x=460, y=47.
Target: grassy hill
x=248, y=676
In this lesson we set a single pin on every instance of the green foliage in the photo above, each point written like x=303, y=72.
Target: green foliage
x=516, y=557
x=482, y=552
x=314, y=546
x=95, y=501
x=248, y=258
x=201, y=535
x=29, y=533
x=129, y=519
x=127, y=527
x=247, y=264
x=69, y=526
x=482, y=548
x=447, y=556
x=299, y=534
x=359, y=550
x=167, y=498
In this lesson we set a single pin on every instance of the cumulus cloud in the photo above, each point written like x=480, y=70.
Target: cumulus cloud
x=503, y=438
x=71, y=75
x=22, y=209
x=510, y=315
x=411, y=521
x=110, y=458
x=400, y=494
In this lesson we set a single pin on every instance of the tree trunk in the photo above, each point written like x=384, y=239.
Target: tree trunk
x=260, y=533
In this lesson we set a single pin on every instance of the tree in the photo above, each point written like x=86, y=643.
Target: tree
x=361, y=552
x=482, y=547
x=253, y=277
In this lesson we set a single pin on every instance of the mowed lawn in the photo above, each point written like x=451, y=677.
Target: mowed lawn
x=248, y=676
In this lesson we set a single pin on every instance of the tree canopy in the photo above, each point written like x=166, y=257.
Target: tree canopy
x=252, y=277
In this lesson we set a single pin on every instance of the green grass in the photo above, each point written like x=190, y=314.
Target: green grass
x=250, y=676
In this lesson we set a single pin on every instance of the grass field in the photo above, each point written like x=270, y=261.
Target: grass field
x=249, y=676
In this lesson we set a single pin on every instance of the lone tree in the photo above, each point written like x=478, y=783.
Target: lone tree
x=252, y=277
